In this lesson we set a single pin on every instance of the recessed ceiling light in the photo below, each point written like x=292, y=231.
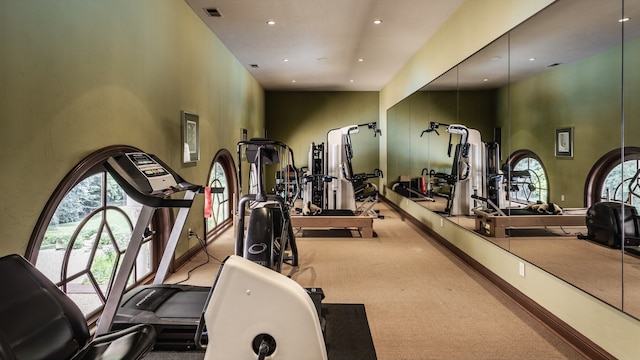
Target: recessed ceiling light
x=485, y=80
x=624, y=19
x=377, y=21
x=360, y=59
x=285, y=60
x=293, y=81
x=271, y=22
x=351, y=81
x=532, y=59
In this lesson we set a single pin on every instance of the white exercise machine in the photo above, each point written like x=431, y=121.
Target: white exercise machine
x=342, y=192
x=254, y=312
x=467, y=176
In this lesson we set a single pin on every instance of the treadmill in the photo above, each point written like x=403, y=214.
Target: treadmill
x=174, y=310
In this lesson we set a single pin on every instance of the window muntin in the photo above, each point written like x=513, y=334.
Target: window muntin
x=533, y=186
x=615, y=186
x=223, y=182
x=220, y=197
x=83, y=231
x=609, y=177
x=87, y=238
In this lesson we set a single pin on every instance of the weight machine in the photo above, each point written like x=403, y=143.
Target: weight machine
x=314, y=179
x=348, y=187
x=467, y=176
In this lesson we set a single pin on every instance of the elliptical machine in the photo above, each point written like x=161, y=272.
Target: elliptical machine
x=269, y=233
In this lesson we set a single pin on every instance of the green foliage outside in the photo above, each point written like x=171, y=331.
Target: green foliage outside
x=85, y=197
x=80, y=202
x=103, y=265
x=617, y=183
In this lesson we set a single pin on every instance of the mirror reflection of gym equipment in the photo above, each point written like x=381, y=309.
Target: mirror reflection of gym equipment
x=467, y=175
x=568, y=177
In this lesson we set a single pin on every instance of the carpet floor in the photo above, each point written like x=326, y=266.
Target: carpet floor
x=422, y=302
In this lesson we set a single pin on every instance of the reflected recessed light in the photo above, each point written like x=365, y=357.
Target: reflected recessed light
x=532, y=59
x=285, y=60
x=377, y=21
x=485, y=80
x=271, y=22
x=360, y=59
x=351, y=81
x=293, y=81
x=624, y=19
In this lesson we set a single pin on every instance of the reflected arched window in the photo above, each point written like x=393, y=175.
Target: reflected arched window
x=83, y=233
x=528, y=181
x=610, y=177
x=222, y=180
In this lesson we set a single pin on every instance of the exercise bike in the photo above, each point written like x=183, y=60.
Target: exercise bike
x=269, y=233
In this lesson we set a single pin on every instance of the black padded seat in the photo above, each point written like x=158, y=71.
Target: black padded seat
x=38, y=321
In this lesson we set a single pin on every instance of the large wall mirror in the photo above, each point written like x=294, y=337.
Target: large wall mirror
x=553, y=99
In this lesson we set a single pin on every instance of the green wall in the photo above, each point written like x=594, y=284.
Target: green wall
x=566, y=97
x=81, y=75
x=301, y=118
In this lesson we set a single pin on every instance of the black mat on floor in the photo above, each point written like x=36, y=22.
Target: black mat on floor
x=326, y=233
x=529, y=233
x=347, y=333
x=347, y=336
x=336, y=212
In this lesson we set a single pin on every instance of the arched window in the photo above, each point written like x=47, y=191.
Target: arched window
x=222, y=180
x=609, y=178
x=528, y=183
x=83, y=232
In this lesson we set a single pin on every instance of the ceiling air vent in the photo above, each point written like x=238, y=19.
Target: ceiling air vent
x=213, y=12
x=255, y=66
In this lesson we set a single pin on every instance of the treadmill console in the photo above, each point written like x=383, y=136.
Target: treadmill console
x=148, y=180
x=157, y=177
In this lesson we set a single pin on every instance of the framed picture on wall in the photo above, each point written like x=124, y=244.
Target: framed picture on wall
x=564, y=142
x=190, y=137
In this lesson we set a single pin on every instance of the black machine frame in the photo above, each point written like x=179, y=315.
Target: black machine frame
x=269, y=233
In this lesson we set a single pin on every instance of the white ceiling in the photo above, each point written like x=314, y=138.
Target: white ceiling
x=323, y=39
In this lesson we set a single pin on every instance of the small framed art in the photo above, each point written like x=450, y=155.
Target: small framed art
x=564, y=142
x=190, y=137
